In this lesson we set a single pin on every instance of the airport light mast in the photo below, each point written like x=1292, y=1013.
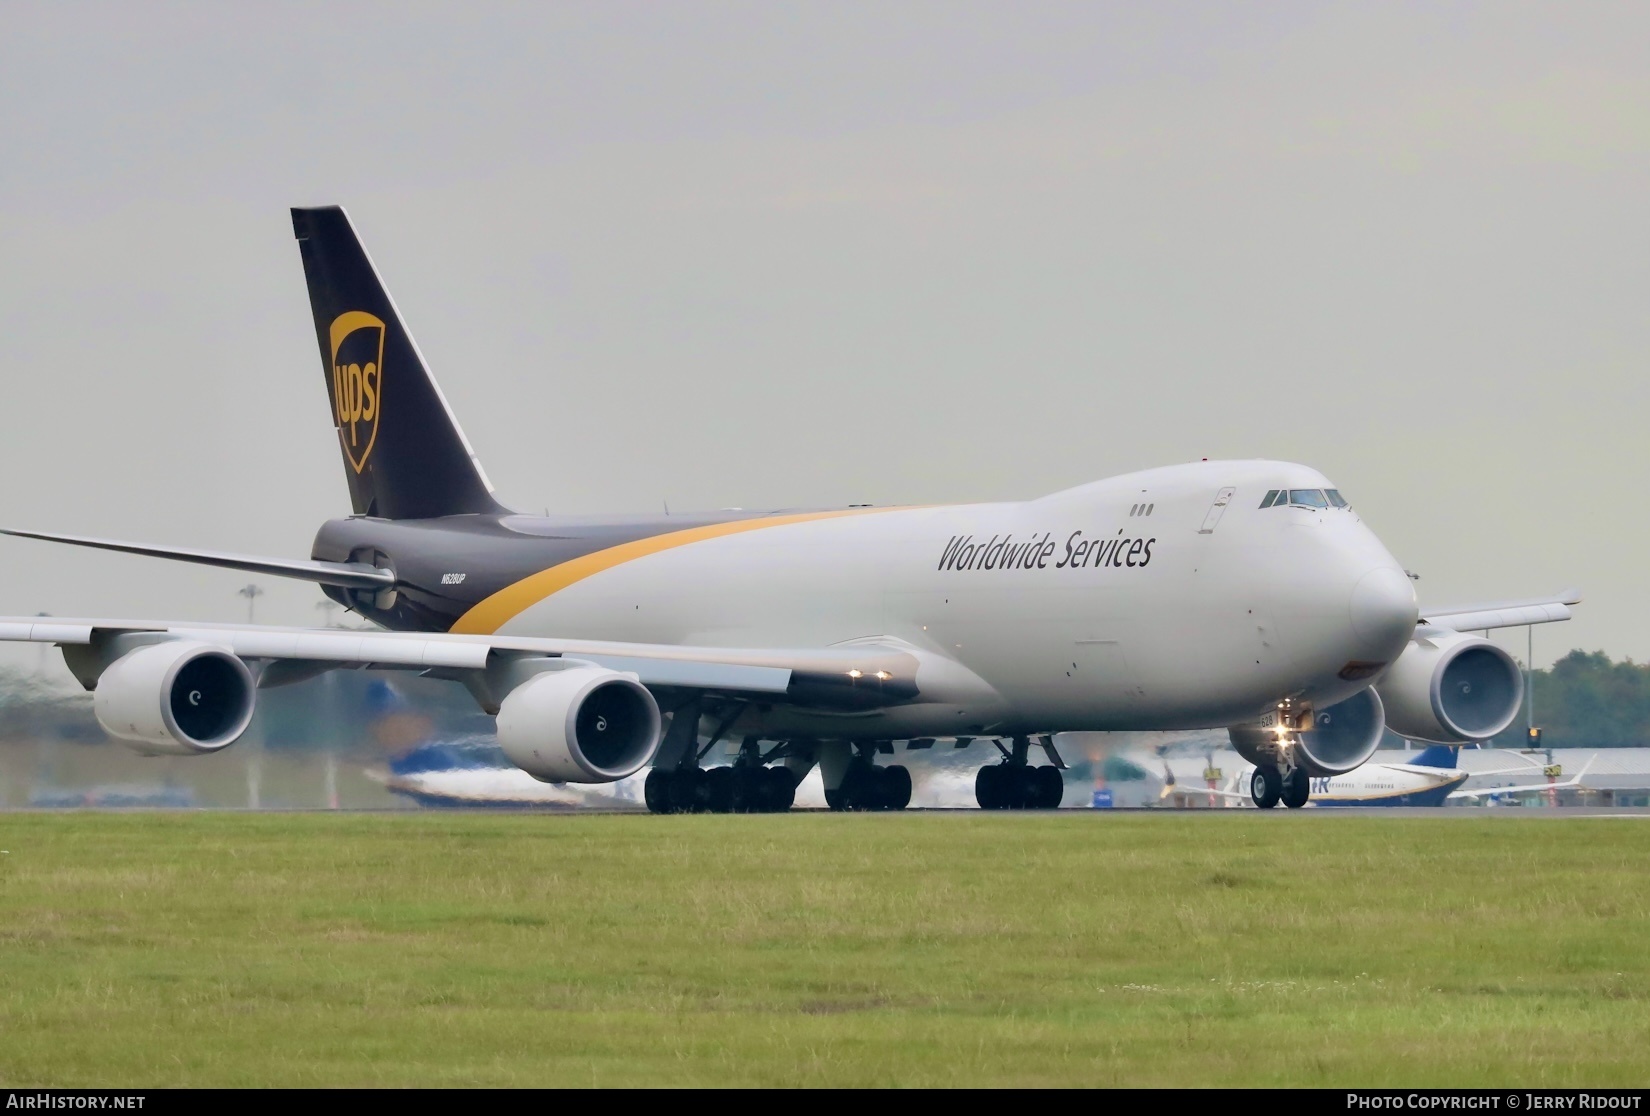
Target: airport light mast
x=251, y=593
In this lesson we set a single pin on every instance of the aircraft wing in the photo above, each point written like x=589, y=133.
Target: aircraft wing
x=1191, y=792
x=1172, y=786
x=1572, y=781
x=1503, y=614
x=864, y=674
x=1417, y=769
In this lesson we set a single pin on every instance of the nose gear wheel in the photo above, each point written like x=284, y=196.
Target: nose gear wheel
x=1266, y=786
x=1297, y=788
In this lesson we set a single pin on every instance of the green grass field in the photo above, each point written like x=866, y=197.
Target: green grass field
x=1219, y=948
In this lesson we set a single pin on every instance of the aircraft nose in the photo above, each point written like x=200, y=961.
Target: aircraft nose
x=1384, y=612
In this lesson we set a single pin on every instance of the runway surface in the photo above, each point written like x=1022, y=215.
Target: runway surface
x=1631, y=812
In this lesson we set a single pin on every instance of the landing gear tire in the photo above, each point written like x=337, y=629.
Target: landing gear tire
x=672, y=790
x=988, y=787
x=1266, y=787
x=690, y=791
x=750, y=794
x=1011, y=786
x=778, y=788
x=1025, y=787
x=720, y=790
x=1297, y=788
x=656, y=791
x=1051, y=787
x=895, y=785
x=855, y=789
x=860, y=785
x=868, y=787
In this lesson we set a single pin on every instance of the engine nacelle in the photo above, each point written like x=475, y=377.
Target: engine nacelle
x=1451, y=688
x=1341, y=739
x=180, y=697
x=1344, y=736
x=583, y=725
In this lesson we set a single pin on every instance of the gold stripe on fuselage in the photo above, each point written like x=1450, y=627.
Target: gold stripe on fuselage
x=489, y=615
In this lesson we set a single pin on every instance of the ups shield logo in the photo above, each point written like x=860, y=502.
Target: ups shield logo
x=357, y=382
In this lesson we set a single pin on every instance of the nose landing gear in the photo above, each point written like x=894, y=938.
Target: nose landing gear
x=1269, y=785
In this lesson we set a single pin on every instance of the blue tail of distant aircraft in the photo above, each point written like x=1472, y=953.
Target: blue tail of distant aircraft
x=1439, y=755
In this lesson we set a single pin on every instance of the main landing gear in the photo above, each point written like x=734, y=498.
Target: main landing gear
x=1269, y=785
x=751, y=785
x=865, y=786
x=1015, y=785
x=748, y=789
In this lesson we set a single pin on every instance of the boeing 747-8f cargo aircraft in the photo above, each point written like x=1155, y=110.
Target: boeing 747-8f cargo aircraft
x=1245, y=594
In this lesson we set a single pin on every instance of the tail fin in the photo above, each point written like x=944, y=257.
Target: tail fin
x=404, y=455
x=1439, y=755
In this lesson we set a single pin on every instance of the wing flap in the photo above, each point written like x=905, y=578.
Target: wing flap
x=27, y=631
x=696, y=675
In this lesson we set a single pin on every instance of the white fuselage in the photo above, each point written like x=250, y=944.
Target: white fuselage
x=1129, y=603
x=1373, y=784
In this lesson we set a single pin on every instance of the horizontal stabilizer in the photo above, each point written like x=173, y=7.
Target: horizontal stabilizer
x=347, y=575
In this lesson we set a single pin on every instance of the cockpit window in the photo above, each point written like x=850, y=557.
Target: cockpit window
x=1303, y=498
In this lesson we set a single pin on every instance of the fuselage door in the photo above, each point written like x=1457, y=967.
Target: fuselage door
x=1216, y=510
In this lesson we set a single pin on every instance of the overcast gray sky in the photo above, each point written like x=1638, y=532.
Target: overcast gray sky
x=769, y=254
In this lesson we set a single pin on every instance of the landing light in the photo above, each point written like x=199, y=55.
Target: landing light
x=855, y=673
x=883, y=676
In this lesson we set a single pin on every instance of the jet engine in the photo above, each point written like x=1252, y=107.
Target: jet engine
x=180, y=697
x=1451, y=688
x=1343, y=736
x=1340, y=739
x=584, y=725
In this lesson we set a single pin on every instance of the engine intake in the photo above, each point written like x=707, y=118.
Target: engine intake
x=180, y=697
x=584, y=725
x=1344, y=736
x=1451, y=688
x=1341, y=739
